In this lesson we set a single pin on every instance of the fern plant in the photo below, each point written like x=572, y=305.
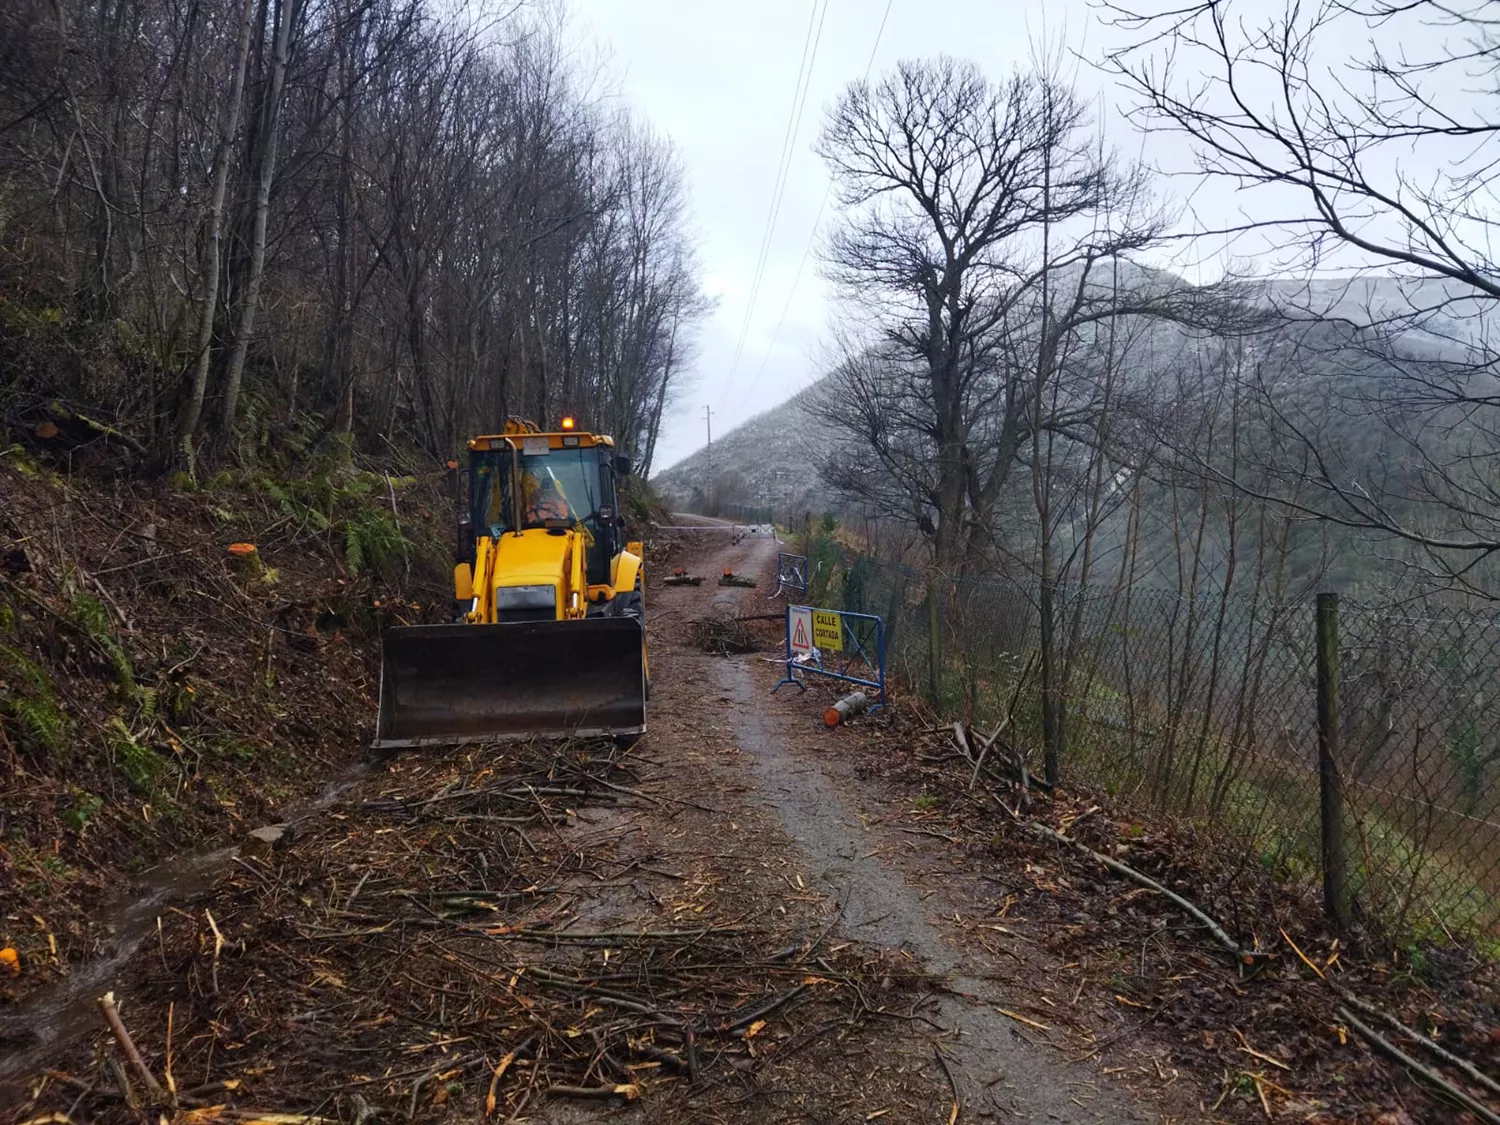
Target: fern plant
x=91, y=616
x=137, y=761
x=372, y=540
x=27, y=699
x=293, y=502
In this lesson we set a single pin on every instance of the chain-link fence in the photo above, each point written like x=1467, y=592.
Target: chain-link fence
x=744, y=513
x=1208, y=707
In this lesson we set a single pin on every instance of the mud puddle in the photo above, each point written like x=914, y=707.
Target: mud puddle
x=33, y=1030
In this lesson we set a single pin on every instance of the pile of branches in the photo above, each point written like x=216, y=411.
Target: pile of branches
x=430, y=945
x=722, y=636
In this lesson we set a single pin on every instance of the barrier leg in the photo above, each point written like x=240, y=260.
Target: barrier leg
x=791, y=676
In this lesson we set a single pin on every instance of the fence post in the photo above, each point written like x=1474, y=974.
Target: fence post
x=1335, y=866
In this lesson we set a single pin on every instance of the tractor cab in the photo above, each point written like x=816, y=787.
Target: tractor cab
x=523, y=481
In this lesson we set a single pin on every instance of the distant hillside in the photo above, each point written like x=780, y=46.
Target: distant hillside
x=778, y=458
x=1446, y=311
x=774, y=459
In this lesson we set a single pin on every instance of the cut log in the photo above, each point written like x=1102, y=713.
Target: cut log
x=84, y=425
x=855, y=703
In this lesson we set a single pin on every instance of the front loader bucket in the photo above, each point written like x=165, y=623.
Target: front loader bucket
x=446, y=684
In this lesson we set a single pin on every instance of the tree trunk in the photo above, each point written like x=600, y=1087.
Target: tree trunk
x=191, y=412
x=1053, y=734
x=270, y=130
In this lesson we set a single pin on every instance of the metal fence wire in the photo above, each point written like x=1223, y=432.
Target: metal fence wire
x=1207, y=708
x=744, y=513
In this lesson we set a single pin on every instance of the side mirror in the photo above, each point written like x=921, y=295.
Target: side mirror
x=606, y=515
x=622, y=465
x=463, y=583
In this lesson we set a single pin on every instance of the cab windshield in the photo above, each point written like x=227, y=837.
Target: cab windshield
x=557, y=489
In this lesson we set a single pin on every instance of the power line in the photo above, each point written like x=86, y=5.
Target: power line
x=783, y=169
x=778, y=189
x=813, y=234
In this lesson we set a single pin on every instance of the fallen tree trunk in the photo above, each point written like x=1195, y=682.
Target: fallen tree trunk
x=1436, y=1081
x=1470, y=1071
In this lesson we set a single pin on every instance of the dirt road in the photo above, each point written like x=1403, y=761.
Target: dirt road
x=771, y=757
x=721, y=925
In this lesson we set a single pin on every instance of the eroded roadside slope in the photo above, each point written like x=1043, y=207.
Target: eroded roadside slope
x=160, y=694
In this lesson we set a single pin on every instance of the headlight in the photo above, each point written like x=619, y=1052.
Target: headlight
x=526, y=597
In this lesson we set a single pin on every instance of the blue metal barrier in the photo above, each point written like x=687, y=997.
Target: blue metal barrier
x=791, y=574
x=815, y=635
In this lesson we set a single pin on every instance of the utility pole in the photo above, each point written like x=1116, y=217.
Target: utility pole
x=712, y=486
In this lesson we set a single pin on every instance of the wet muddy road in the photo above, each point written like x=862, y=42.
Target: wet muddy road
x=774, y=754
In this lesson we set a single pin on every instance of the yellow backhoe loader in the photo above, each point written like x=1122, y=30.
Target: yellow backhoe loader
x=548, y=637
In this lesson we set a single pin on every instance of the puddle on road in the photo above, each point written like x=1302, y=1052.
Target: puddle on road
x=32, y=1033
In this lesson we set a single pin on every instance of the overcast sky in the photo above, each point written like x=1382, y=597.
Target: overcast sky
x=719, y=78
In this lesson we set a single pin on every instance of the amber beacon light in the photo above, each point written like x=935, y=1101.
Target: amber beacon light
x=567, y=423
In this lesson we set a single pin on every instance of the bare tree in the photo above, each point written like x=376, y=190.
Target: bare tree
x=949, y=181
x=191, y=411
x=335, y=220
x=285, y=16
x=1382, y=159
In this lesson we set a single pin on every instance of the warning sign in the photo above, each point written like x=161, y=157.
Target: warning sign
x=799, y=630
x=828, y=633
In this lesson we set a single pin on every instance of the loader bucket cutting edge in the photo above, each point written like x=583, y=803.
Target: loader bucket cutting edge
x=446, y=684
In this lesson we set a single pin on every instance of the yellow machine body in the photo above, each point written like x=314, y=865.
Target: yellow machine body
x=548, y=639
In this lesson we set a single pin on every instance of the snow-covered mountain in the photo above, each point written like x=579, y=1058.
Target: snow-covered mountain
x=776, y=458
x=772, y=460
